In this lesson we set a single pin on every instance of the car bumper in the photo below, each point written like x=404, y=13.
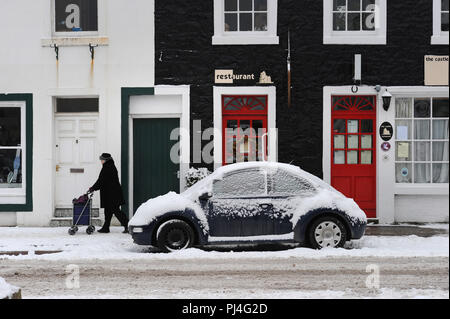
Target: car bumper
x=142, y=235
x=358, y=230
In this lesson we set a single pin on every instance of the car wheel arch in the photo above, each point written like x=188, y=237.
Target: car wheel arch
x=187, y=218
x=302, y=228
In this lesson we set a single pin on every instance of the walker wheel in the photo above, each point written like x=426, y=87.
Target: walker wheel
x=72, y=231
x=90, y=230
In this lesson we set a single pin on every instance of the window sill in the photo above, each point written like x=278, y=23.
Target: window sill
x=12, y=199
x=75, y=41
x=421, y=189
x=245, y=40
x=441, y=39
x=360, y=39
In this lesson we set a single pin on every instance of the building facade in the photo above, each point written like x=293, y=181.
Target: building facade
x=310, y=80
x=316, y=72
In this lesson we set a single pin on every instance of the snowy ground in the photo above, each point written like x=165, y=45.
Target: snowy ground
x=111, y=266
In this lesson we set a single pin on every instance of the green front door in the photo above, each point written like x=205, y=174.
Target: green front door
x=154, y=173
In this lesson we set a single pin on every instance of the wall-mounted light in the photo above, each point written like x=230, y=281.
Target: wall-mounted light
x=387, y=97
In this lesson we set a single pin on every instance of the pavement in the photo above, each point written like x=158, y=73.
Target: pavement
x=407, y=230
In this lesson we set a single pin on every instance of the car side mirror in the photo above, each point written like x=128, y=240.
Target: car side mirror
x=205, y=196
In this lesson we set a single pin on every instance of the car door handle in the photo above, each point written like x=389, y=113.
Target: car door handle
x=265, y=206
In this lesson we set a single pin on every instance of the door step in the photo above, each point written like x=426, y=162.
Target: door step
x=67, y=222
x=68, y=212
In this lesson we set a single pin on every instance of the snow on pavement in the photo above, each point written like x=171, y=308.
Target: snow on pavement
x=120, y=246
x=6, y=290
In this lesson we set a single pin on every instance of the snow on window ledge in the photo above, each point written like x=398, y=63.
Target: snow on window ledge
x=440, y=39
x=349, y=39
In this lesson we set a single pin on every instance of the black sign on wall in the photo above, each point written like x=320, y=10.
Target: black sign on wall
x=76, y=15
x=386, y=131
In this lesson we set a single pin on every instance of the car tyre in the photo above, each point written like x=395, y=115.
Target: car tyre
x=174, y=235
x=327, y=231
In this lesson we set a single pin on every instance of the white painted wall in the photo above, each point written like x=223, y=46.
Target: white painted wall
x=26, y=66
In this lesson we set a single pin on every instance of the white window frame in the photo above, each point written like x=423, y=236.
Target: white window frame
x=270, y=91
x=439, y=37
x=245, y=37
x=100, y=23
x=17, y=195
x=377, y=37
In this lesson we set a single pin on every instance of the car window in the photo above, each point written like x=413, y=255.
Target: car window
x=282, y=183
x=242, y=183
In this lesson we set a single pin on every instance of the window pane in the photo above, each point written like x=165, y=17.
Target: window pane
x=284, y=183
x=352, y=157
x=422, y=173
x=403, y=108
x=354, y=5
x=440, y=107
x=368, y=21
x=230, y=22
x=368, y=5
x=242, y=183
x=230, y=5
x=366, y=157
x=245, y=5
x=260, y=21
x=260, y=5
x=354, y=21
x=245, y=22
x=444, y=5
x=10, y=168
x=76, y=15
x=339, y=21
x=440, y=151
x=422, y=130
x=353, y=141
x=444, y=22
x=366, y=141
x=339, y=5
x=422, y=151
x=366, y=126
x=339, y=141
x=440, y=173
x=10, y=126
x=403, y=130
x=440, y=129
x=258, y=126
x=403, y=173
x=353, y=126
x=339, y=126
x=76, y=105
x=339, y=157
x=422, y=108
x=403, y=151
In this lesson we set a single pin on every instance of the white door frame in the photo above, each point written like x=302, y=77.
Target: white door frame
x=182, y=112
x=270, y=91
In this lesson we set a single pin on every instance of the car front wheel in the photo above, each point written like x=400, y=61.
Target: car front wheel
x=174, y=235
x=327, y=231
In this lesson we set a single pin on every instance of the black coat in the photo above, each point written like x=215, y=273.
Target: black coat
x=111, y=194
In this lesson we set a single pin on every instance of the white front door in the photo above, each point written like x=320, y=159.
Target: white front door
x=77, y=163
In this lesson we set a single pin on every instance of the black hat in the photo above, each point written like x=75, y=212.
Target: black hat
x=105, y=157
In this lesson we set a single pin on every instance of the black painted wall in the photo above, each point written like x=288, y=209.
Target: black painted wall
x=185, y=55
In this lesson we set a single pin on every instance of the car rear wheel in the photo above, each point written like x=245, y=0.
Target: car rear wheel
x=327, y=231
x=174, y=235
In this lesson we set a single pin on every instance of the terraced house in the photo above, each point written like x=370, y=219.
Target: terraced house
x=353, y=91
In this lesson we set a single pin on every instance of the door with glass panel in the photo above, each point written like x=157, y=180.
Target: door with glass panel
x=353, y=136
x=244, y=126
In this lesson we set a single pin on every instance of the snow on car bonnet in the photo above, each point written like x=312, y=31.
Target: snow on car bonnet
x=170, y=202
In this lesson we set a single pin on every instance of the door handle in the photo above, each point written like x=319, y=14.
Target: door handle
x=57, y=168
x=266, y=206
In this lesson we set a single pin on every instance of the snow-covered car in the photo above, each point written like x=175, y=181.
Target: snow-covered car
x=254, y=202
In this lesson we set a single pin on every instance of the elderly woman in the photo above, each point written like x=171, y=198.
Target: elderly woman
x=111, y=195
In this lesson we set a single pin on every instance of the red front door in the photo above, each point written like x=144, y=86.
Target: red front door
x=353, y=151
x=244, y=126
